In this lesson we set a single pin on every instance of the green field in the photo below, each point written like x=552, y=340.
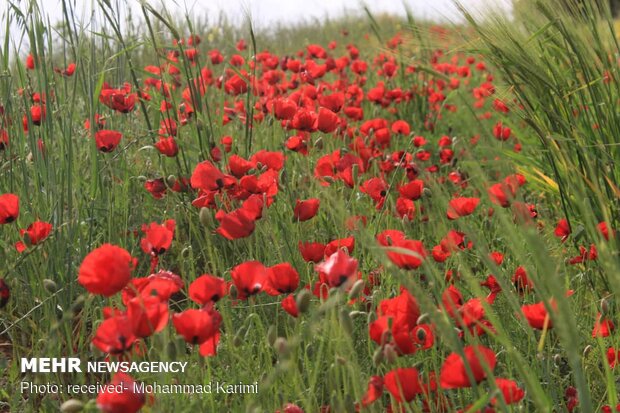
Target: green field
x=368, y=213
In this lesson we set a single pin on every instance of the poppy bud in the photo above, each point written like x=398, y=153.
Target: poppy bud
x=345, y=321
x=281, y=346
x=234, y=293
x=357, y=289
x=427, y=192
x=303, y=301
x=27, y=239
x=390, y=354
x=171, y=180
x=356, y=313
x=604, y=306
x=272, y=335
x=204, y=216
x=319, y=143
x=238, y=338
x=78, y=304
x=377, y=357
x=355, y=171
x=72, y=406
x=50, y=286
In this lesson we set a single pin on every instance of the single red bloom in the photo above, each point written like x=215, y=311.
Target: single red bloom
x=208, y=177
x=156, y=187
x=107, y=140
x=207, y=289
x=403, y=383
x=197, y=326
x=106, y=270
x=36, y=232
x=281, y=279
x=613, y=357
x=562, y=230
x=305, y=210
x=510, y=390
x=537, y=315
x=110, y=400
x=602, y=327
x=289, y=304
x=374, y=391
x=147, y=315
x=460, y=207
x=249, y=277
x=454, y=373
x=339, y=268
x=158, y=238
x=115, y=335
x=327, y=121
x=239, y=223
x=312, y=251
x=9, y=208
x=162, y=284
x=167, y=146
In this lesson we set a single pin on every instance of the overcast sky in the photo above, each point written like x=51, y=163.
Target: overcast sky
x=267, y=12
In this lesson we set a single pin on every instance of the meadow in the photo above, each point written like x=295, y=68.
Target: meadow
x=361, y=214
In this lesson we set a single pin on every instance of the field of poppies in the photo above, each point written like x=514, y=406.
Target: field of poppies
x=374, y=214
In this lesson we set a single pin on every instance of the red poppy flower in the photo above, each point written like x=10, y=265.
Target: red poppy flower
x=312, y=251
x=289, y=304
x=30, y=62
x=562, y=230
x=305, y=210
x=347, y=243
x=454, y=372
x=115, y=335
x=510, y=390
x=603, y=326
x=208, y=177
x=249, y=277
x=239, y=223
x=537, y=315
x=197, y=326
x=110, y=400
x=106, y=270
x=281, y=279
x=121, y=100
x=207, y=289
x=34, y=234
x=401, y=127
x=158, y=238
x=613, y=357
x=147, y=315
x=4, y=139
x=167, y=146
x=327, y=121
x=403, y=383
x=339, y=268
x=460, y=207
x=374, y=391
x=107, y=140
x=162, y=284
x=156, y=187
x=9, y=208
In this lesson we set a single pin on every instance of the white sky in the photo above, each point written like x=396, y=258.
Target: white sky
x=265, y=12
